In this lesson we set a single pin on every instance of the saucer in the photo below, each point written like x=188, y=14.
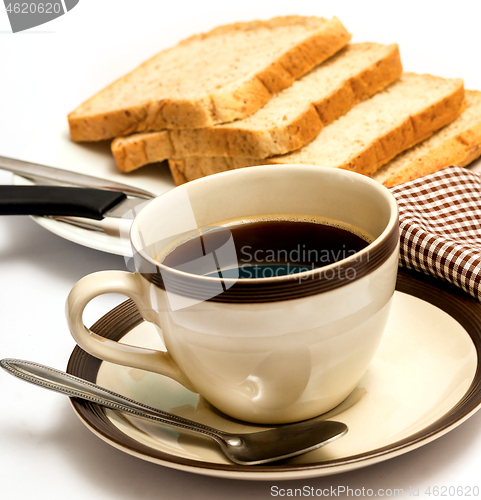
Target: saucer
x=424, y=381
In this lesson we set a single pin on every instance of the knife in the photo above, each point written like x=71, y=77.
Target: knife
x=81, y=200
x=97, y=209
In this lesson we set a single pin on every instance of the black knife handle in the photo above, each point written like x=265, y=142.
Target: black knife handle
x=57, y=200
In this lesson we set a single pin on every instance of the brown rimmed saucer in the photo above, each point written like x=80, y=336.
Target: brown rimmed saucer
x=424, y=381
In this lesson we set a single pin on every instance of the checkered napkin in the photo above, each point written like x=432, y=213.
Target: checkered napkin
x=440, y=222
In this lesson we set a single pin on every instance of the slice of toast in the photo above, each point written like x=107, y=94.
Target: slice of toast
x=216, y=77
x=289, y=120
x=458, y=143
x=372, y=133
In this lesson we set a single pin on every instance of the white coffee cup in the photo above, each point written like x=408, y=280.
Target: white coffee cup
x=266, y=350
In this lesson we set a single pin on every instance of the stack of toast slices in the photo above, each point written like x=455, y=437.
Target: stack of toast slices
x=290, y=90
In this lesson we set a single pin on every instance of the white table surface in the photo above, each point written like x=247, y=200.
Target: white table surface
x=45, y=451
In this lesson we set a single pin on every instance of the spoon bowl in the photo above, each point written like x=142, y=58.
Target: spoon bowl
x=254, y=448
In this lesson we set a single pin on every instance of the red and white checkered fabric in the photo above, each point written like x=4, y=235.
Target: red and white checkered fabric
x=440, y=223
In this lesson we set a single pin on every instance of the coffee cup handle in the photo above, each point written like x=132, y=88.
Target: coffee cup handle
x=133, y=286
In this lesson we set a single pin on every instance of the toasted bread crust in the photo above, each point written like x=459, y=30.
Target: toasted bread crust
x=137, y=150
x=364, y=85
x=460, y=148
x=453, y=152
x=237, y=140
x=238, y=100
x=411, y=131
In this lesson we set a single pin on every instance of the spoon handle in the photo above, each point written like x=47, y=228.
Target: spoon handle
x=72, y=386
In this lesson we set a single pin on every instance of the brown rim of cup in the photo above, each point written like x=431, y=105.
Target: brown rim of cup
x=292, y=286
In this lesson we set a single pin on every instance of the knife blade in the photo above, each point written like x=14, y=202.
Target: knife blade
x=44, y=175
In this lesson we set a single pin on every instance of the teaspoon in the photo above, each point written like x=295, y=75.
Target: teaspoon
x=254, y=448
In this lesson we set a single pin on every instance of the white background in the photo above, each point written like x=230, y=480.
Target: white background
x=45, y=73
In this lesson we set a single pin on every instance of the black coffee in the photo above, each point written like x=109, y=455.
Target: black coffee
x=264, y=249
